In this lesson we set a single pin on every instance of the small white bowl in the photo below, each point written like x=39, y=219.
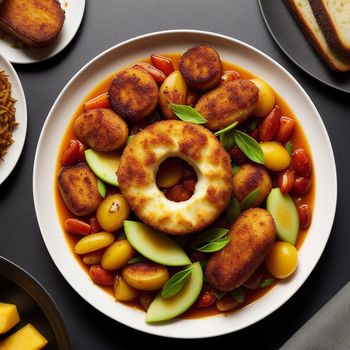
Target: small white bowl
x=230, y=50
x=19, y=133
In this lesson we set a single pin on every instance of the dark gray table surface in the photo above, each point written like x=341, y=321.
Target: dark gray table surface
x=106, y=23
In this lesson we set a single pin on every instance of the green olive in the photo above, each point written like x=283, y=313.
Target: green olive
x=112, y=212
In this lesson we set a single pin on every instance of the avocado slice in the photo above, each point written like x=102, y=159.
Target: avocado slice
x=155, y=245
x=285, y=214
x=162, y=309
x=104, y=165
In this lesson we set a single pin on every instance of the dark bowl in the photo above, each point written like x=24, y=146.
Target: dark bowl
x=34, y=305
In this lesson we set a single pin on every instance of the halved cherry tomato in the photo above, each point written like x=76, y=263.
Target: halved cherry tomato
x=74, y=153
x=77, y=227
x=285, y=129
x=101, y=276
x=178, y=193
x=157, y=74
x=206, y=297
x=304, y=212
x=100, y=101
x=190, y=185
x=301, y=185
x=269, y=126
x=301, y=162
x=286, y=181
x=162, y=63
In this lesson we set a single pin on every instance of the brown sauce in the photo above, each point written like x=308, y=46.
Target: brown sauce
x=299, y=141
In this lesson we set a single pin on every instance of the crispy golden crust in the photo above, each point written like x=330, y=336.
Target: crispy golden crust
x=250, y=177
x=37, y=23
x=251, y=237
x=196, y=145
x=201, y=67
x=101, y=129
x=133, y=94
x=231, y=102
x=78, y=187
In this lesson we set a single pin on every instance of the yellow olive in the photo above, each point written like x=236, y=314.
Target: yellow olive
x=282, y=260
x=122, y=291
x=117, y=255
x=94, y=241
x=266, y=100
x=112, y=212
x=146, y=275
x=172, y=90
x=276, y=156
x=169, y=173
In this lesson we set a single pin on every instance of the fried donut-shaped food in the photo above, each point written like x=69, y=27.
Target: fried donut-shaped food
x=199, y=148
x=133, y=94
x=231, y=102
x=201, y=67
x=251, y=237
x=250, y=177
x=101, y=129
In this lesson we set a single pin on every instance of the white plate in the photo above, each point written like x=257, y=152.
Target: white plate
x=16, y=52
x=231, y=50
x=19, y=133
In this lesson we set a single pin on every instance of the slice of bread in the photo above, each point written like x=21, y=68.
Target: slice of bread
x=35, y=22
x=303, y=14
x=333, y=16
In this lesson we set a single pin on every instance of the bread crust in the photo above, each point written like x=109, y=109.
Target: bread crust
x=310, y=36
x=328, y=27
x=35, y=23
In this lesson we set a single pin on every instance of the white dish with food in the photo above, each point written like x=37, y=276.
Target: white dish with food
x=230, y=50
x=19, y=133
x=17, y=52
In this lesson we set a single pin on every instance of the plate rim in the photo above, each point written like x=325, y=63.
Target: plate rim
x=298, y=64
x=19, y=143
x=56, y=51
x=247, y=46
x=48, y=300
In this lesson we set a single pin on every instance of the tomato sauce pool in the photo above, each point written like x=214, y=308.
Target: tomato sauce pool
x=298, y=139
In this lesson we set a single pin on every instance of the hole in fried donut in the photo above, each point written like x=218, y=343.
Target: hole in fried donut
x=176, y=179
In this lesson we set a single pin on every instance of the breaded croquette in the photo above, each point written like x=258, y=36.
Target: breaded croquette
x=133, y=94
x=201, y=67
x=79, y=190
x=231, y=102
x=251, y=176
x=251, y=237
x=101, y=129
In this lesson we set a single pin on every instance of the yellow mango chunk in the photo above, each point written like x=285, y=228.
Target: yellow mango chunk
x=9, y=317
x=26, y=338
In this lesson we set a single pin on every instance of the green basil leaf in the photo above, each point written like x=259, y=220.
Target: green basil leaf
x=174, y=284
x=101, y=187
x=235, y=169
x=249, y=146
x=187, y=114
x=227, y=139
x=238, y=294
x=266, y=283
x=210, y=235
x=222, y=131
x=289, y=147
x=129, y=139
x=214, y=245
x=250, y=199
x=233, y=210
x=136, y=259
